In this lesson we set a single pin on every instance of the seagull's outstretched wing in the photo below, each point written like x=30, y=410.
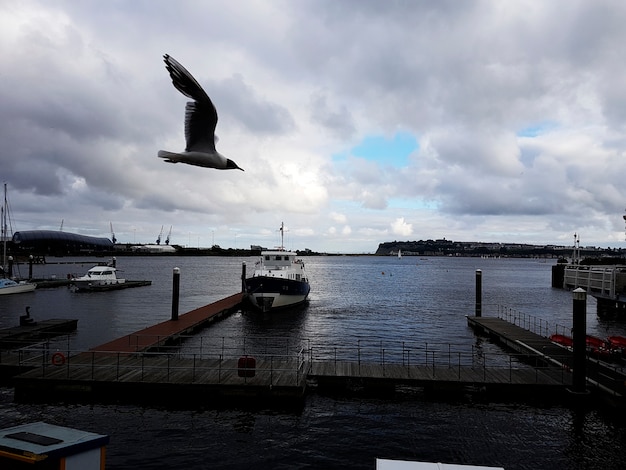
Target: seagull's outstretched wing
x=200, y=115
x=184, y=81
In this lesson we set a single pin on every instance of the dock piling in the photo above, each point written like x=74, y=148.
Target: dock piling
x=175, y=293
x=579, y=377
x=243, y=276
x=479, y=294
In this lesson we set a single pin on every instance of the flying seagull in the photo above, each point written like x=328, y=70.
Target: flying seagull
x=200, y=122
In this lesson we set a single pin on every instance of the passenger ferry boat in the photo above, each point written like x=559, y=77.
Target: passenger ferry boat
x=279, y=280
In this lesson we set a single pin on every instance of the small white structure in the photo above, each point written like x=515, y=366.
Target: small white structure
x=42, y=445
x=383, y=464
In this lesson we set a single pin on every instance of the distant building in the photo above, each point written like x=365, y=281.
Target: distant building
x=50, y=242
x=154, y=249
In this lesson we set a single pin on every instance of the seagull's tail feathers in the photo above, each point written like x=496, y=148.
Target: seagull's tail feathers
x=169, y=156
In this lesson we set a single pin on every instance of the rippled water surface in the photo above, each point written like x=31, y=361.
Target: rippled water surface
x=353, y=300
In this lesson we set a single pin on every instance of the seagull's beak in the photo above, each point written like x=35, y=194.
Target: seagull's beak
x=231, y=165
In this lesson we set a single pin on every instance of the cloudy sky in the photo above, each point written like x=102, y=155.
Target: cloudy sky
x=356, y=122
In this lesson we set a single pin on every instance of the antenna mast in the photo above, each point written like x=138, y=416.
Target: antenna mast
x=282, y=236
x=576, y=253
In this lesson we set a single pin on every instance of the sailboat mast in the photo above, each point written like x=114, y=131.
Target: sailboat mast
x=4, y=229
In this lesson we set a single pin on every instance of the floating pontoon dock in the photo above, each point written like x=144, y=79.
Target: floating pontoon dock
x=148, y=365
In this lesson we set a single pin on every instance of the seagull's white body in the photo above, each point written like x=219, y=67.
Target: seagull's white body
x=205, y=159
x=200, y=122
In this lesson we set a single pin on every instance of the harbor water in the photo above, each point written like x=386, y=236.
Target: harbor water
x=354, y=300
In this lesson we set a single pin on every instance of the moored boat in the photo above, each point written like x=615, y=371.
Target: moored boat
x=618, y=346
x=598, y=348
x=618, y=342
x=96, y=277
x=595, y=343
x=563, y=340
x=279, y=280
x=9, y=286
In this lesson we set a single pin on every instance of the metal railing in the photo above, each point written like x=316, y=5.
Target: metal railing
x=531, y=323
x=440, y=360
x=279, y=360
x=170, y=367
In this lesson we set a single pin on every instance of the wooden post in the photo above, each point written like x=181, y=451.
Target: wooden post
x=175, y=293
x=479, y=293
x=10, y=267
x=30, y=267
x=243, y=277
x=579, y=373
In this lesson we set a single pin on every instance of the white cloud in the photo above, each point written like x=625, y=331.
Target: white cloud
x=87, y=103
x=401, y=228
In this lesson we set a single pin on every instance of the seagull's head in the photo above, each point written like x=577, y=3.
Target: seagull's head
x=231, y=165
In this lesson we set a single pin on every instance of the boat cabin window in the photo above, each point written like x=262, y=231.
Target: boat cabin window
x=267, y=257
x=277, y=257
x=286, y=258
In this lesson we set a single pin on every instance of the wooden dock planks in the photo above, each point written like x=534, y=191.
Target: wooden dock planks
x=98, y=375
x=521, y=340
x=609, y=379
x=126, y=368
x=427, y=375
x=19, y=336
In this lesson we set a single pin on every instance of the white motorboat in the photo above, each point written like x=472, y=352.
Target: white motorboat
x=9, y=286
x=98, y=276
x=279, y=280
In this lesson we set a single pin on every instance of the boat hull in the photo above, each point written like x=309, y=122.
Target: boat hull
x=270, y=293
x=80, y=284
x=17, y=289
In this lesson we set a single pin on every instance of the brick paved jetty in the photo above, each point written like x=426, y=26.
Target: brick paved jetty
x=170, y=330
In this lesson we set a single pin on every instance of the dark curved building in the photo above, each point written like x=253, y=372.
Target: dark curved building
x=50, y=242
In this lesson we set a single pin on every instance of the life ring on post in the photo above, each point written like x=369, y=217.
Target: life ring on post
x=58, y=359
